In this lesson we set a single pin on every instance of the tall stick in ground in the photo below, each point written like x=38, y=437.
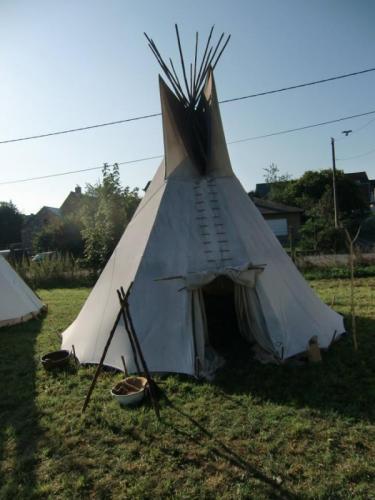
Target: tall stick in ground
x=350, y=244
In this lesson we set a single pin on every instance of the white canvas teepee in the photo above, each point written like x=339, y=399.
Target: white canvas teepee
x=18, y=303
x=192, y=226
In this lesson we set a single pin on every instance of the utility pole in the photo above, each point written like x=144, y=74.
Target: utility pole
x=335, y=209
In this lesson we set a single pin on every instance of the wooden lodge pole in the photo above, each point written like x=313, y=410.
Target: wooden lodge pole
x=131, y=332
x=122, y=299
x=128, y=323
x=101, y=362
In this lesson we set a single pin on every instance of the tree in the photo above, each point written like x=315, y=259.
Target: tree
x=313, y=193
x=107, y=209
x=272, y=174
x=11, y=221
x=64, y=236
x=277, y=181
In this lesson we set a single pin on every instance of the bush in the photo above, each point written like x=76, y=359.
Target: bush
x=55, y=272
x=321, y=235
x=64, y=236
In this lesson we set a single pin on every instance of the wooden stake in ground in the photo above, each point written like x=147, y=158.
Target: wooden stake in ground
x=350, y=244
x=291, y=242
x=74, y=355
x=124, y=365
x=333, y=300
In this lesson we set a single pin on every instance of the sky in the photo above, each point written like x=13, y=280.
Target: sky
x=72, y=63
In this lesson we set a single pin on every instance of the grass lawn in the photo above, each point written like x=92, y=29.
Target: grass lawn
x=258, y=431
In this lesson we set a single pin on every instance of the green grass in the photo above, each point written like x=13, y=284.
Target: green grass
x=341, y=272
x=259, y=431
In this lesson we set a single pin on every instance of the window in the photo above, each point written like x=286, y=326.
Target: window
x=278, y=226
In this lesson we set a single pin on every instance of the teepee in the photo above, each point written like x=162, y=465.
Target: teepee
x=18, y=303
x=196, y=223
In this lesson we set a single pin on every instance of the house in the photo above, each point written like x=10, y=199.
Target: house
x=284, y=220
x=367, y=186
x=49, y=215
x=35, y=223
x=72, y=202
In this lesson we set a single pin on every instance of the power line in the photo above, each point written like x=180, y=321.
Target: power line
x=364, y=126
x=79, y=171
x=355, y=131
x=357, y=156
x=298, y=86
x=288, y=131
x=152, y=115
x=89, y=127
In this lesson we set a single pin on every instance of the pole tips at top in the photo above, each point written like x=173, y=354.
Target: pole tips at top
x=189, y=92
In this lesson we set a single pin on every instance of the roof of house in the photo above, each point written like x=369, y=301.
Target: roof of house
x=263, y=188
x=54, y=210
x=273, y=207
x=358, y=176
x=72, y=200
x=30, y=219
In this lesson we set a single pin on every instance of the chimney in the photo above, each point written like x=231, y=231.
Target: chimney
x=78, y=190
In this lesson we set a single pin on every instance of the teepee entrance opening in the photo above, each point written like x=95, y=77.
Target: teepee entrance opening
x=223, y=331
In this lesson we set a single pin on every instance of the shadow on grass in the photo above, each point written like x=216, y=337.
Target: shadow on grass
x=19, y=430
x=219, y=449
x=342, y=384
x=63, y=284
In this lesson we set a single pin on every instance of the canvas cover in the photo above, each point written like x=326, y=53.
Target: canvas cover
x=18, y=302
x=189, y=229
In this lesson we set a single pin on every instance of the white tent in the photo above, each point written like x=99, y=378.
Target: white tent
x=193, y=225
x=18, y=303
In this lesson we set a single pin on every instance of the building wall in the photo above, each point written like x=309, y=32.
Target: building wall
x=293, y=220
x=35, y=224
x=72, y=203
